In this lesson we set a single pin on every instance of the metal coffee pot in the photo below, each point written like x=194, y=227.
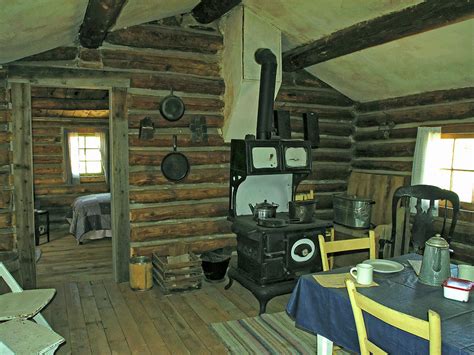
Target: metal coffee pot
x=435, y=267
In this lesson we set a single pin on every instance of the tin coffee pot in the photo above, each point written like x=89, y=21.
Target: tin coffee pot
x=435, y=267
x=264, y=210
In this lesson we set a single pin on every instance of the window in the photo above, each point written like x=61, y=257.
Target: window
x=456, y=167
x=87, y=156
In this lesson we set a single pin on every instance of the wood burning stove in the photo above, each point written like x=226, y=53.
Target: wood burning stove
x=270, y=258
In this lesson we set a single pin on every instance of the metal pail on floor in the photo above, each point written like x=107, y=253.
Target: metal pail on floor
x=141, y=278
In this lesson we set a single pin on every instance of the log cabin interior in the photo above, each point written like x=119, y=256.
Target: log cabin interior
x=332, y=104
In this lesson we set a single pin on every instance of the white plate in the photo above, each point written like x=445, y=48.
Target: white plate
x=384, y=266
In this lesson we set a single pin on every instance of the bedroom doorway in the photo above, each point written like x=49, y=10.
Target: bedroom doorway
x=76, y=134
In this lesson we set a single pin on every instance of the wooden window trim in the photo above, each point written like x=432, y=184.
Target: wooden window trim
x=458, y=131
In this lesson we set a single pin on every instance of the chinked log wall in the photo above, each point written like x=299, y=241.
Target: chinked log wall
x=385, y=137
x=158, y=58
x=55, y=110
x=7, y=239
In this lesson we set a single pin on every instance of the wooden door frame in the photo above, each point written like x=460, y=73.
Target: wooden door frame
x=119, y=182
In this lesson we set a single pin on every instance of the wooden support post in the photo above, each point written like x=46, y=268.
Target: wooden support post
x=119, y=183
x=23, y=182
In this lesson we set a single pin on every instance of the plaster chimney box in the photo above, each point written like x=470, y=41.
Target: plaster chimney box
x=244, y=33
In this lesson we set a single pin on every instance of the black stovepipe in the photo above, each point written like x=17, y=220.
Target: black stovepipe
x=268, y=61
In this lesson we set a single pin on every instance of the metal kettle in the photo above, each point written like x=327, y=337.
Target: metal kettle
x=435, y=266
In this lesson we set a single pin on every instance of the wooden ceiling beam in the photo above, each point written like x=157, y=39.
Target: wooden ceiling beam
x=426, y=16
x=100, y=16
x=210, y=10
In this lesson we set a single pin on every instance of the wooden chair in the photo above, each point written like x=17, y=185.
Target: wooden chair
x=429, y=330
x=18, y=335
x=335, y=246
x=423, y=226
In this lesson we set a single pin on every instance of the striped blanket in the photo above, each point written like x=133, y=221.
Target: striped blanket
x=266, y=334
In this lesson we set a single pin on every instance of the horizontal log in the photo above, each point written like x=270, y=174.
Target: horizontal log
x=463, y=252
x=426, y=98
x=331, y=142
x=196, y=244
x=56, y=54
x=195, y=176
x=322, y=187
x=178, y=82
x=71, y=189
x=69, y=93
x=329, y=172
x=166, y=38
x=48, y=180
x=5, y=220
x=382, y=165
x=212, y=120
x=315, y=96
x=184, y=211
x=385, y=134
x=323, y=112
x=92, y=114
x=178, y=194
x=155, y=158
x=302, y=78
x=47, y=159
x=5, y=157
x=5, y=116
x=343, y=129
x=5, y=199
x=69, y=104
x=325, y=155
x=184, y=140
x=160, y=62
x=445, y=111
x=41, y=131
x=143, y=102
x=390, y=149
x=179, y=230
x=46, y=140
x=7, y=242
x=5, y=137
x=208, y=11
x=63, y=201
x=47, y=149
x=48, y=170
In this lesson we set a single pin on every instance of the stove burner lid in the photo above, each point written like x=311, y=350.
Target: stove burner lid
x=272, y=222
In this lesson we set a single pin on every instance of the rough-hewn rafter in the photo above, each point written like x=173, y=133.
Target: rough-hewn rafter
x=209, y=10
x=100, y=17
x=423, y=17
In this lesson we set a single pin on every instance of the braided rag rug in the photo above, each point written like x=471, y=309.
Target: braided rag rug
x=266, y=334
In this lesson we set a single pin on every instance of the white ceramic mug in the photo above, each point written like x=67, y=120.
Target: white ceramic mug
x=466, y=272
x=363, y=273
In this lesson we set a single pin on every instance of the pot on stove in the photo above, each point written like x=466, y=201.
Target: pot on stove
x=264, y=210
x=301, y=211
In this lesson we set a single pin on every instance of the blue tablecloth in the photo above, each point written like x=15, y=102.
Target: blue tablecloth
x=327, y=312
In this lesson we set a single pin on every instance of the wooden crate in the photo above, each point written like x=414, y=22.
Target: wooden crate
x=177, y=273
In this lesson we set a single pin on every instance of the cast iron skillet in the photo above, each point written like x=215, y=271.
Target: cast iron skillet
x=172, y=107
x=175, y=165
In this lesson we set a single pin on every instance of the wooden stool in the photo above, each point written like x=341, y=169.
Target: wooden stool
x=38, y=233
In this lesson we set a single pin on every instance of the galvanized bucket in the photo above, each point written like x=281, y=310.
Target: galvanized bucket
x=352, y=211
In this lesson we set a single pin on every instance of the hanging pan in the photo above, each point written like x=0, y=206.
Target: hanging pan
x=172, y=107
x=175, y=165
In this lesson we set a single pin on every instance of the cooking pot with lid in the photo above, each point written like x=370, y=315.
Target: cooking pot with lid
x=264, y=210
x=301, y=211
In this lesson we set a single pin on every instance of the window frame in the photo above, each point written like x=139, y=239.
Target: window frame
x=102, y=172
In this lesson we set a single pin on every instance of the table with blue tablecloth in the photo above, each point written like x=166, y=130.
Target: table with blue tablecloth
x=327, y=312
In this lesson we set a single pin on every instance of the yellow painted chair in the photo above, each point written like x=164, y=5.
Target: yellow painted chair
x=336, y=246
x=429, y=330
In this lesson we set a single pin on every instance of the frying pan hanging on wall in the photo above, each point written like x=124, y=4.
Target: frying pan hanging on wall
x=172, y=107
x=175, y=165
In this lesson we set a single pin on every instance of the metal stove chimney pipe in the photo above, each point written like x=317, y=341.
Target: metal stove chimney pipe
x=268, y=61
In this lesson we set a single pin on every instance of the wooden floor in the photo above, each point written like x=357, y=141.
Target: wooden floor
x=97, y=316
x=62, y=259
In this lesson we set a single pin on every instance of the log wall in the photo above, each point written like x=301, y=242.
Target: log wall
x=385, y=136
x=157, y=58
x=7, y=236
x=55, y=110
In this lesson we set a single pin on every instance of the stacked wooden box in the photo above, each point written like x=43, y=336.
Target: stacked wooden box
x=177, y=273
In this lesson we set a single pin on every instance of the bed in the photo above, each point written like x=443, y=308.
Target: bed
x=90, y=217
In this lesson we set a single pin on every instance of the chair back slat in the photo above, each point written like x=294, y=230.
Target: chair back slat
x=429, y=330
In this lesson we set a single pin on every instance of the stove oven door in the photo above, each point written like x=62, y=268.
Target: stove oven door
x=303, y=252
